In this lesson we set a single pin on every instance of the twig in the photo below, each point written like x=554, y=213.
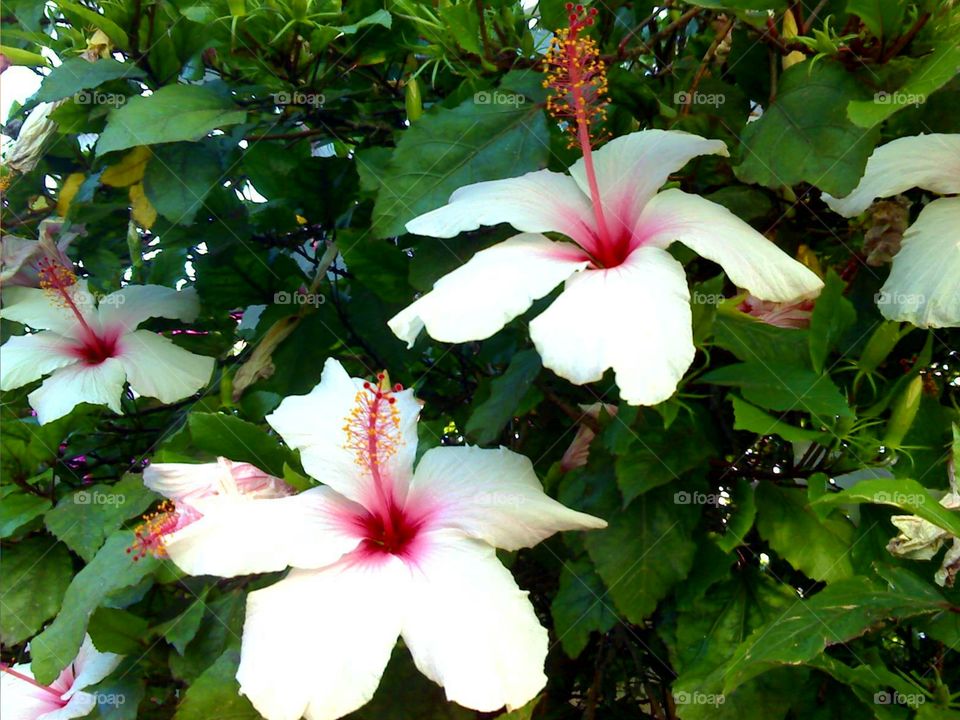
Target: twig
x=702, y=70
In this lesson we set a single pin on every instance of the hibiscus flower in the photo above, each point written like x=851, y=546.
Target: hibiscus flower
x=91, y=349
x=380, y=551
x=922, y=287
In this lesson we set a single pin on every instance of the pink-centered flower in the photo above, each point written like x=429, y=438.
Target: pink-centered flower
x=625, y=303
x=924, y=282
x=91, y=349
x=380, y=551
x=793, y=315
x=23, y=698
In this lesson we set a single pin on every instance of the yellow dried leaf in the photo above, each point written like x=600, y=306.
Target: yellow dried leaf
x=143, y=212
x=129, y=170
x=67, y=192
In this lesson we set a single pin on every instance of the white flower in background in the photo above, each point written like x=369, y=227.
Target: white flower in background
x=625, y=304
x=379, y=551
x=23, y=698
x=34, y=133
x=90, y=350
x=924, y=283
x=20, y=257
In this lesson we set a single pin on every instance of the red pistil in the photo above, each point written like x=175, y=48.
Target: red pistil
x=150, y=535
x=20, y=676
x=57, y=280
x=577, y=76
x=393, y=535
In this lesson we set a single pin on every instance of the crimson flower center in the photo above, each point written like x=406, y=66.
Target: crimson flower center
x=391, y=535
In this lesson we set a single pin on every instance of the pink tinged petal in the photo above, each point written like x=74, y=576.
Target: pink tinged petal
x=45, y=310
x=90, y=667
x=316, y=643
x=471, y=629
x=537, y=202
x=190, y=482
x=134, y=304
x=25, y=358
x=578, y=452
x=237, y=535
x=924, y=283
x=634, y=318
x=794, y=315
x=749, y=259
x=495, y=286
x=491, y=495
x=79, y=705
x=157, y=368
x=318, y=425
x=630, y=169
x=21, y=700
x=67, y=387
x=931, y=162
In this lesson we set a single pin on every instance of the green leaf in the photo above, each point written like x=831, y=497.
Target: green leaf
x=215, y=695
x=480, y=139
x=882, y=17
x=580, y=607
x=90, y=17
x=183, y=628
x=85, y=518
x=171, y=114
x=117, y=631
x=740, y=522
x=820, y=548
x=645, y=551
x=36, y=573
x=506, y=391
x=178, y=177
x=751, y=339
x=76, y=74
x=805, y=135
x=18, y=508
x=842, y=611
x=112, y=569
x=752, y=419
x=832, y=315
x=903, y=493
x=380, y=17
x=783, y=387
x=230, y=437
x=935, y=71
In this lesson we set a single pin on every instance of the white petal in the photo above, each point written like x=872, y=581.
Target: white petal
x=471, y=629
x=129, y=307
x=190, y=481
x=80, y=705
x=924, y=283
x=20, y=700
x=91, y=666
x=495, y=286
x=316, y=643
x=750, y=260
x=931, y=162
x=631, y=168
x=315, y=425
x=25, y=358
x=541, y=201
x=69, y=386
x=157, y=368
x=241, y=536
x=492, y=495
x=45, y=310
x=634, y=318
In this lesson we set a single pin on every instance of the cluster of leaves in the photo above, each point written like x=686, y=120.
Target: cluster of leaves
x=239, y=145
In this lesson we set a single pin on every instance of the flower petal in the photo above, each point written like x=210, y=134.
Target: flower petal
x=471, y=629
x=750, y=260
x=26, y=358
x=495, y=286
x=80, y=705
x=237, y=535
x=931, y=162
x=20, y=700
x=631, y=168
x=90, y=667
x=541, y=201
x=157, y=368
x=315, y=425
x=43, y=310
x=316, y=643
x=189, y=481
x=127, y=308
x=924, y=283
x=69, y=386
x=634, y=318
x=492, y=495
